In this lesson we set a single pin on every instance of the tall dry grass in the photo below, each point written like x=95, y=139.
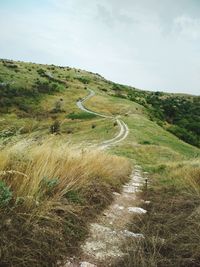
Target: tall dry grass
x=42, y=173
x=171, y=227
x=188, y=174
x=50, y=192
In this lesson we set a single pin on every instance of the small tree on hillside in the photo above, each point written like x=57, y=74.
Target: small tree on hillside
x=58, y=106
x=55, y=127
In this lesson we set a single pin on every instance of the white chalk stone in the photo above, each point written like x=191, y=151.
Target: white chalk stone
x=136, y=210
x=131, y=234
x=138, y=167
x=87, y=264
x=130, y=189
x=116, y=194
x=118, y=207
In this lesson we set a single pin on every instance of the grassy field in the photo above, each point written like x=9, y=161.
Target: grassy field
x=53, y=184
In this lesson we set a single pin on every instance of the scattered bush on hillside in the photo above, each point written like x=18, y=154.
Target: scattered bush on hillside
x=69, y=131
x=46, y=87
x=81, y=116
x=84, y=80
x=145, y=142
x=119, y=90
x=180, y=111
x=41, y=72
x=183, y=134
x=55, y=127
x=5, y=194
x=57, y=107
x=10, y=64
x=104, y=89
x=7, y=132
x=23, y=97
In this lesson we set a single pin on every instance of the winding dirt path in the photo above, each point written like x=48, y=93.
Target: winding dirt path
x=109, y=233
x=123, y=132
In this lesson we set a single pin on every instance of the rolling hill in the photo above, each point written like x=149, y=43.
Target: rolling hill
x=56, y=176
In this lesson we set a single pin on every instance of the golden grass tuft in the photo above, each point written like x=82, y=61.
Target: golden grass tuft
x=189, y=175
x=56, y=190
x=25, y=169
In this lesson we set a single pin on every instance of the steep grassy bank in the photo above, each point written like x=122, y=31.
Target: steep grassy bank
x=48, y=194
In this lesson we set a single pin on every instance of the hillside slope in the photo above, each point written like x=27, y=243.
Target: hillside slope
x=38, y=93
x=40, y=121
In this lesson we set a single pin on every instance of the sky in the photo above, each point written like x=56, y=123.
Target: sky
x=149, y=44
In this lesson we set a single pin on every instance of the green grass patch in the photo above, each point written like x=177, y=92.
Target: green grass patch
x=81, y=116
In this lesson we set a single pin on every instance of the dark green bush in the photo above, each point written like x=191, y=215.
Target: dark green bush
x=81, y=116
x=74, y=197
x=145, y=142
x=84, y=80
x=57, y=107
x=55, y=127
x=5, y=194
x=183, y=134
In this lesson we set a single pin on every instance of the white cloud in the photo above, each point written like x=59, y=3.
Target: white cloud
x=187, y=27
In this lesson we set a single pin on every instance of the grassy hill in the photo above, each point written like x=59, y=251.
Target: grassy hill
x=38, y=92
x=52, y=177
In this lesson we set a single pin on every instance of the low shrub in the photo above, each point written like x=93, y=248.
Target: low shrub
x=81, y=116
x=84, y=80
x=55, y=127
x=5, y=194
x=184, y=134
x=145, y=142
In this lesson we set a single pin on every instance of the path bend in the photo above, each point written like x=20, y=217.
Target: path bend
x=123, y=132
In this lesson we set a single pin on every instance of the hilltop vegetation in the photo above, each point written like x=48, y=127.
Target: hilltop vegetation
x=179, y=114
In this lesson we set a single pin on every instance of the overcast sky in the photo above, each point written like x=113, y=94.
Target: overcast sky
x=149, y=44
